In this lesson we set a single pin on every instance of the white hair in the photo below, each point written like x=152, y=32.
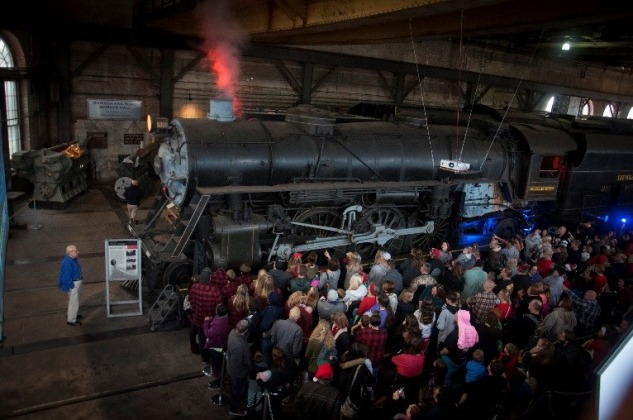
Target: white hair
x=70, y=248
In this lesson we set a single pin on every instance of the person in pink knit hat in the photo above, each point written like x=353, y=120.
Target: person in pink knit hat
x=455, y=350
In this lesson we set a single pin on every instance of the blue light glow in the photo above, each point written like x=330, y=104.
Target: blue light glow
x=623, y=220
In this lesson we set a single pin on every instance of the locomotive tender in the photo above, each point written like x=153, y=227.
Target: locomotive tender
x=251, y=190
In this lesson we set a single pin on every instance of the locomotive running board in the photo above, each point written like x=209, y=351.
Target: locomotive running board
x=193, y=222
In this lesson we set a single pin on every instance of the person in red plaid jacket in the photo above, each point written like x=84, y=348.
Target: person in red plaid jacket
x=203, y=297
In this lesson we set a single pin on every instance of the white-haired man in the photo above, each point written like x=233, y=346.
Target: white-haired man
x=70, y=281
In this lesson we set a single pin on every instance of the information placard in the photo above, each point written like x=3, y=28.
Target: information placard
x=123, y=264
x=109, y=109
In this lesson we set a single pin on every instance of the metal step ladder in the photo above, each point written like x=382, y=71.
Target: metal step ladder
x=156, y=209
x=168, y=302
x=182, y=239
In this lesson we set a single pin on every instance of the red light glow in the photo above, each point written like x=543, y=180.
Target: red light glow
x=225, y=66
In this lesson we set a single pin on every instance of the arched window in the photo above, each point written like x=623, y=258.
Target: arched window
x=586, y=107
x=11, y=102
x=550, y=104
x=608, y=111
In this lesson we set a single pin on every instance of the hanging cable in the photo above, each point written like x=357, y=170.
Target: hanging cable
x=511, y=100
x=459, y=80
x=417, y=69
x=481, y=70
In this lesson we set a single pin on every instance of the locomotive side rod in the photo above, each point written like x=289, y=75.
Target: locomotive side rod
x=378, y=235
x=331, y=229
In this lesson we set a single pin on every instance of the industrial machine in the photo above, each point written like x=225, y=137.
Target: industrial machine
x=58, y=173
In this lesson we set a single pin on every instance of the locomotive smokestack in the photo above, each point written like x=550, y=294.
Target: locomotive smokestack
x=224, y=38
x=221, y=110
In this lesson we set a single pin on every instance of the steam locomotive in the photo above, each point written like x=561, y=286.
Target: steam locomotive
x=251, y=190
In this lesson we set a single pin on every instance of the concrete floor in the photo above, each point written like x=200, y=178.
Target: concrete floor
x=107, y=368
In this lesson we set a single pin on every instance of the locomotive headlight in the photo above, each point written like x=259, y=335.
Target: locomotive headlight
x=155, y=123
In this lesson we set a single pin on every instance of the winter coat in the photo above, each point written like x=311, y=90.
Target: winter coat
x=217, y=331
x=238, y=355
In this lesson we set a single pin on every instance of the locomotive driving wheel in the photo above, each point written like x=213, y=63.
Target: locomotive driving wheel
x=318, y=217
x=178, y=274
x=427, y=241
x=391, y=218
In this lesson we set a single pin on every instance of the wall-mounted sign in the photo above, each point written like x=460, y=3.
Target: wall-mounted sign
x=106, y=109
x=132, y=138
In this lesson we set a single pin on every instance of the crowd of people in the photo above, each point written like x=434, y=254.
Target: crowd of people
x=514, y=331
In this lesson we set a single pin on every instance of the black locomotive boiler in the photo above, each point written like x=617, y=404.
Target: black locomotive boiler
x=251, y=190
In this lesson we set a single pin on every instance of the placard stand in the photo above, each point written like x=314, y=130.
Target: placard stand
x=123, y=263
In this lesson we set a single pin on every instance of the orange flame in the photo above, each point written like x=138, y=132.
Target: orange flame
x=73, y=151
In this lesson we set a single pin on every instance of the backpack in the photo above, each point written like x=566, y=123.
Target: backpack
x=325, y=354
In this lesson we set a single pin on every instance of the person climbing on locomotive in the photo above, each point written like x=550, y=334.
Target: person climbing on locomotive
x=133, y=197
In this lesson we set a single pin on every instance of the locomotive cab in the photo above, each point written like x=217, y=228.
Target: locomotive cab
x=544, y=163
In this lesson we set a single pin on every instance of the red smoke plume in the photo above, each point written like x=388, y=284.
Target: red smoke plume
x=223, y=64
x=223, y=40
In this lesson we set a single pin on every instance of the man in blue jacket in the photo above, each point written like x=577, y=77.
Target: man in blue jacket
x=70, y=280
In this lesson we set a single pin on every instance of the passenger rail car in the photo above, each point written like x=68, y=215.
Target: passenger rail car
x=253, y=190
